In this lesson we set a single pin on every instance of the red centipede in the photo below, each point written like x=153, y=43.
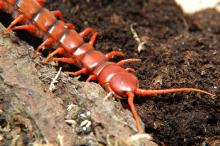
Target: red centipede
x=33, y=17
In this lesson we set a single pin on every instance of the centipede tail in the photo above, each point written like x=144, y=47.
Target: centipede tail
x=67, y=42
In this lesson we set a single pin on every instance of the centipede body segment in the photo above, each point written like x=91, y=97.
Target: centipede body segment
x=31, y=16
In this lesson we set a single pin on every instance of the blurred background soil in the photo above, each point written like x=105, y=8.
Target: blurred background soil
x=178, y=50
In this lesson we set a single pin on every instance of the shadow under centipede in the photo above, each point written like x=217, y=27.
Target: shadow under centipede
x=5, y=18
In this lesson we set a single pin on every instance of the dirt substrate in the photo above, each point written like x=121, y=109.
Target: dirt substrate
x=178, y=51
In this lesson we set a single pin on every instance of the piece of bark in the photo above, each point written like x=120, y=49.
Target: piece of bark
x=74, y=114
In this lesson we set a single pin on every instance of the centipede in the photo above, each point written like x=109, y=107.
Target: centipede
x=31, y=15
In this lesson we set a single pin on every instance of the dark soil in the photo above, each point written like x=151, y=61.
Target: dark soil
x=180, y=51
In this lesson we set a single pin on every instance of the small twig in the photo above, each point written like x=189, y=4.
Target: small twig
x=60, y=139
x=141, y=44
x=52, y=84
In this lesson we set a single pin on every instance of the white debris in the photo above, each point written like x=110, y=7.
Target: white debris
x=193, y=6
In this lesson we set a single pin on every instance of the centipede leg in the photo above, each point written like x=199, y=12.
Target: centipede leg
x=59, y=14
x=109, y=90
x=65, y=60
x=130, y=70
x=81, y=71
x=70, y=26
x=57, y=51
x=93, y=38
x=30, y=28
x=47, y=42
x=114, y=53
x=122, y=62
x=91, y=78
x=17, y=20
x=86, y=32
x=41, y=2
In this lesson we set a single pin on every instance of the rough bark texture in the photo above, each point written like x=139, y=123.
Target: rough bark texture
x=73, y=114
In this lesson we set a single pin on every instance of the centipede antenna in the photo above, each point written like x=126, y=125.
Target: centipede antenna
x=172, y=90
x=133, y=110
